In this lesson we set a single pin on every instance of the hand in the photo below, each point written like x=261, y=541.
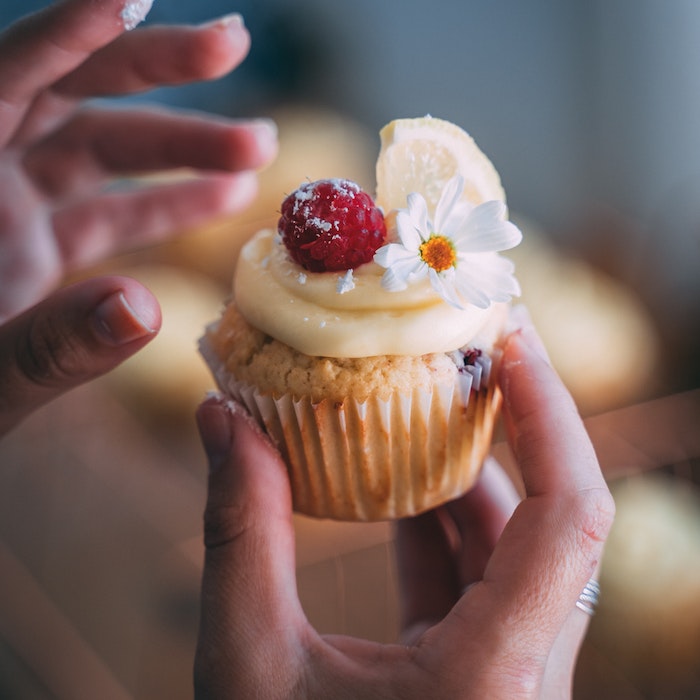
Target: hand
x=489, y=585
x=59, y=209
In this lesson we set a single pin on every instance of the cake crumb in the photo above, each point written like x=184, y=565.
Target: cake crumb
x=276, y=368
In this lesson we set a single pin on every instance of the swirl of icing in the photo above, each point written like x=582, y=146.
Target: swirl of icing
x=331, y=315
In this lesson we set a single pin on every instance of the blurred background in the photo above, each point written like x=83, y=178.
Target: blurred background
x=589, y=111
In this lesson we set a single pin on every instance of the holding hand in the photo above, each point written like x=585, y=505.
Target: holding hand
x=489, y=585
x=58, y=158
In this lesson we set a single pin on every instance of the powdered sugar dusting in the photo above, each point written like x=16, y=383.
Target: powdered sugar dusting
x=345, y=283
x=320, y=224
x=300, y=196
x=134, y=12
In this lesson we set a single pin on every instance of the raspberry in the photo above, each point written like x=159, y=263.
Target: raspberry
x=471, y=355
x=331, y=225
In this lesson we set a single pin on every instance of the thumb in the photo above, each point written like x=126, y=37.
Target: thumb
x=251, y=618
x=77, y=334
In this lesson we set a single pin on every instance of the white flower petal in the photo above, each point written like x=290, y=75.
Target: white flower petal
x=444, y=284
x=456, y=220
x=388, y=254
x=472, y=292
x=480, y=276
x=402, y=272
x=411, y=269
x=392, y=283
x=486, y=230
x=409, y=234
x=418, y=211
x=449, y=197
x=489, y=275
x=402, y=266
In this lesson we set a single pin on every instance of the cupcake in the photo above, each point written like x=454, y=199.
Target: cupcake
x=363, y=334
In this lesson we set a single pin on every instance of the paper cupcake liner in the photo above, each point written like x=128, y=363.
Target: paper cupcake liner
x=376, y=459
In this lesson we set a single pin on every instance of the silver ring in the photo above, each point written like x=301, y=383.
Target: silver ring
x=588, y=599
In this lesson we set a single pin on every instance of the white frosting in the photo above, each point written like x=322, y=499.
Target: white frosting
x=366, y=320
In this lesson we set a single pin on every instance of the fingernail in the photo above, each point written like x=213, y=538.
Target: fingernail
x=215, y=428
x=234, y=21
x=134, y=12
x=117, y=322
x=266, y=136
x=243, y=191
x=265, y=130
x=520, y=323
x=222, y=421
x=267, y=127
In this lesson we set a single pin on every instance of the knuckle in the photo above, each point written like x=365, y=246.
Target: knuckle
x=592, y=512
x=516, y=676
x=521, y=681
x=48, y=354
x=224, y=524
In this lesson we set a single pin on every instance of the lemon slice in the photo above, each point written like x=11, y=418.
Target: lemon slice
x=421, y=155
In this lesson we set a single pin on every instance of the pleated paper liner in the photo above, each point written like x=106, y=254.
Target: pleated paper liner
x=376, y=459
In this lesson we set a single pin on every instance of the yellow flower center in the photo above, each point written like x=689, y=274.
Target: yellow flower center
x=438, y=252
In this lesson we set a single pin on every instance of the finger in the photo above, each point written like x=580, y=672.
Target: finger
x=480, y=517
x=97, y=144
x=568, y=503
x=553, y=542
x=139, y=61
x=251, y=616
x=441, y=553
x=157, y=56
x=81, y=332
x=427, y=574
x=561, y=663
x=45, y=46
x=545, y=431
x=120, y=221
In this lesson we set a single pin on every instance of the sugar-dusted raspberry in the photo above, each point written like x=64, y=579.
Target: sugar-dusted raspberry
x=331, y=225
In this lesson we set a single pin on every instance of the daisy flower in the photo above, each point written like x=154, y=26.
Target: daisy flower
x=458, y=251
